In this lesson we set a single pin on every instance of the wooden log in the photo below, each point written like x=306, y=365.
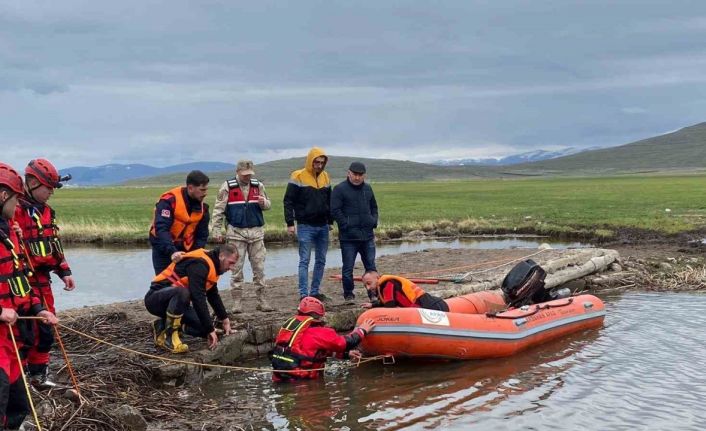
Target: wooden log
x=594, y=265
x=559, y=271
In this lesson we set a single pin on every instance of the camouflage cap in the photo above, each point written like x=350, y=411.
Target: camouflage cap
x=245, y=167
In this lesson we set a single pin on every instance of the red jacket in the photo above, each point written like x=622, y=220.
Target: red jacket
x=15, y=290
x=394, y=291
x=310, y=348
x=41, y=236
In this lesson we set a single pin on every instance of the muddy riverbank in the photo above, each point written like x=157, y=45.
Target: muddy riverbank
x=128, y=391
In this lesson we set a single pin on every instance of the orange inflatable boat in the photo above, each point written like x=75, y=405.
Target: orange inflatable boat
x=476, y=327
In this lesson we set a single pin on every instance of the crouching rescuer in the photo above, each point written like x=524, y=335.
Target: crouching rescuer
x=304, y=343
x=180, y=296
x=396, y=291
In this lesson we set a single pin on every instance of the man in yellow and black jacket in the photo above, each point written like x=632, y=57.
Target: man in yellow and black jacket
x=395, y=291
x=180, y=296
x=307, y=201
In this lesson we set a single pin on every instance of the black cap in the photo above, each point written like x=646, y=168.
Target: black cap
x=357, y=168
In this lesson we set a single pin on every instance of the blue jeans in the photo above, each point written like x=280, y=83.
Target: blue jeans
x=349, y=250
x=309, y=235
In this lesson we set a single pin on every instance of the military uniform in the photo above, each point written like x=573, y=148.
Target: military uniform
x=237, y=207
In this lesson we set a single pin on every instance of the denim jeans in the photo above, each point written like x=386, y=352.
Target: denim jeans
x=349, y=251
x=309, y=236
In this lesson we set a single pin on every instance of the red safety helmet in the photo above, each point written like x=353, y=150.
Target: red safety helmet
x=45, y=172
x=310, y=305
x=10, y=178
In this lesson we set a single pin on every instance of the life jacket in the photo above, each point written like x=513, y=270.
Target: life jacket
x=241, y=211
x=170, y=274
x=41, y=235
x=183, y=228
x=403, y=289
x=14, y=286
x=287, y=354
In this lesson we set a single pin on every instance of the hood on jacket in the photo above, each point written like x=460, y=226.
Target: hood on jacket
x=313, y=154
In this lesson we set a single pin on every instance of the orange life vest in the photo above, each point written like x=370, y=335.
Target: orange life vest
x=184, y=225
x=170, y=274
x=410, y=290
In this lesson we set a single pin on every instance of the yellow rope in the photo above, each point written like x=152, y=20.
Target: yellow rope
x=199, y=364
x=463, y=277
x=24, y=378
x=472, y=265
x=452, y=268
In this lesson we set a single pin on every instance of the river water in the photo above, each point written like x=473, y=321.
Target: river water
x=113, y=274
x=642, y=371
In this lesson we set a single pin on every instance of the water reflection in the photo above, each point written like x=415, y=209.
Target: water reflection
x=443, y=394
x=105, y=275
x=642, y=370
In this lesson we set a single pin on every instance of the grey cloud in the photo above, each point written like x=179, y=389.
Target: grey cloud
x=169, y=82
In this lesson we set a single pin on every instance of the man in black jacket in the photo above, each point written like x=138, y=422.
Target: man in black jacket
x=180, y=296
x=355, y=210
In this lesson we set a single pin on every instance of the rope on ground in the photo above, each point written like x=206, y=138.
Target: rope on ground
x=24, y=378
x=464, y=276
x=200, y=364
x=457, y=278
x=69, y=367
x=453, y=268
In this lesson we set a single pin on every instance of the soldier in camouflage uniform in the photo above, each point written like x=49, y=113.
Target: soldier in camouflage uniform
x=239, y=206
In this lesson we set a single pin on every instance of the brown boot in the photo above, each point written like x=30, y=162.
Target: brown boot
x=262, y=303
x=236, y=293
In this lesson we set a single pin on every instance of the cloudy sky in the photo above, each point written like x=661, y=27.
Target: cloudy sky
x=165, y=82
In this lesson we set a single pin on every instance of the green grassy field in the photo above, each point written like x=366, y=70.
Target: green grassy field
x=557, y=206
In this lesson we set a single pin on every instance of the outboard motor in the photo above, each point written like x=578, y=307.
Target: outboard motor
x=524, y=284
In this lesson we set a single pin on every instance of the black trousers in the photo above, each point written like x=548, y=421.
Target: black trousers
x=14, y=405
x=431, y=302
x=160, y=261
x=176, y=301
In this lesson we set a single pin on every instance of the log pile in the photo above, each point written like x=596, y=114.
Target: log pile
x=560, y=270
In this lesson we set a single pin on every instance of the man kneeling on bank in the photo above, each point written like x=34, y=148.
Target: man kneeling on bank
x=180, y=295
x=395, y=291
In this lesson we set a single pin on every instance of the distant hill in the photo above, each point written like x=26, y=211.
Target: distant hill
x=682, y=150
x=379, y=170
x=514, y=159
x=117, y=173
